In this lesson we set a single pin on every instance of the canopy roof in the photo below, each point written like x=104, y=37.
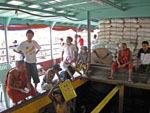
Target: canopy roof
x=69, y=12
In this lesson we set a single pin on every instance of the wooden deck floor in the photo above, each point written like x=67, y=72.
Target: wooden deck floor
x=100, y=73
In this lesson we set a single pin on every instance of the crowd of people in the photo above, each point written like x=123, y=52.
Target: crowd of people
x=18, y=81
x=73, y=59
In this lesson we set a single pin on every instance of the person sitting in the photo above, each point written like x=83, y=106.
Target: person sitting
x=83, y=60
x=48, y=82
x=17, y=85
x=144, y=57
x=124, y=61
x=69, y=68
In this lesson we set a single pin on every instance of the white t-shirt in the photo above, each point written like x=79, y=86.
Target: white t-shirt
x=69, y=51
x=29, y=50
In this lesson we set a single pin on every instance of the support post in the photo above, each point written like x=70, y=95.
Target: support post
x=89, y=33
x=121, y=99
x=6, y=38
x=51, y=40
x=77, y=27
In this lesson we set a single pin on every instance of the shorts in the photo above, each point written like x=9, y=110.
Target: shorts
x=65, y=75
x=32, y=72
x=79, y=68
x=46, y=86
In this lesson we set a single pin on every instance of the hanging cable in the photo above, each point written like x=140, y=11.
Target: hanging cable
x=16, y=12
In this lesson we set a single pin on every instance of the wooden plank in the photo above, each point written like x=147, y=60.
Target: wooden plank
x=114, y=82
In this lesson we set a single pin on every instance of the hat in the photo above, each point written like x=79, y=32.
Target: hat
x=57, y=67
x=84, y=48
x=69, y=59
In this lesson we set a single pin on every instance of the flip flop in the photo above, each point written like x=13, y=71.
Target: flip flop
x=110, y=78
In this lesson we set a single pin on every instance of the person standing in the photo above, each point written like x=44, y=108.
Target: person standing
x=29, y=49
x=16, y=55
x=69, y=49
x=94, y=41
x=61, y=42
x=81, y=41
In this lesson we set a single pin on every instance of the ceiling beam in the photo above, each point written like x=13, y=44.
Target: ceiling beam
x=113, y=5
x=39, y=2
x=78, y=7
x=66, y=3
x=34, y=9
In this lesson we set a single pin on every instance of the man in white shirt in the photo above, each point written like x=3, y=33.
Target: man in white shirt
x=29, y=49
x=69, y=49
x=144, y=57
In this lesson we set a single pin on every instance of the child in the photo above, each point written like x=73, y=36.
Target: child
x=48, y=81
x=69, y=68
x=61, y=105
x=69, y=49
x=62, y=42
x=83, y=61
x=29, y=49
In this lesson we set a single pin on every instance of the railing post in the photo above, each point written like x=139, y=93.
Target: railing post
x=77, y=28
x=6, y=38
x=51, y=40
x=121, y=99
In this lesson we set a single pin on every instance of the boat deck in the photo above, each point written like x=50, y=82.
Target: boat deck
x=100, y=73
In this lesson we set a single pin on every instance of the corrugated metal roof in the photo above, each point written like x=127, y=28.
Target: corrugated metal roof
x=73, y=9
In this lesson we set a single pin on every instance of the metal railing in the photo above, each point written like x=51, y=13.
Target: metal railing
x=112, y=93
x=44, y=52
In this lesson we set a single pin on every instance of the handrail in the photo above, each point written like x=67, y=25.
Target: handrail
x=2, y=48
x=2, y=55
x=112, y=93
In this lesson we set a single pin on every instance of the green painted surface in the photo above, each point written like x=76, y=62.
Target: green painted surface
x=77, y=8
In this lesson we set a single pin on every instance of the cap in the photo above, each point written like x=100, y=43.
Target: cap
x=57, y=67
x=84, y=48
x=69, y=59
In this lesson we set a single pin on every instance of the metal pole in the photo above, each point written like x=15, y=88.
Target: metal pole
x=51, y=44
x=6, y=43
x=89, y=32
x=7, y=21
x=51, y=36
x=121, y=98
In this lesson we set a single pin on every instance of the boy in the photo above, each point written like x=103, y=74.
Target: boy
x=29, y=49
x=68, y=67
x=69, y=49
x=48, y=78
x=83, y=61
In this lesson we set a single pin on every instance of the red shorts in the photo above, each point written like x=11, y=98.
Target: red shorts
x=115, y=66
